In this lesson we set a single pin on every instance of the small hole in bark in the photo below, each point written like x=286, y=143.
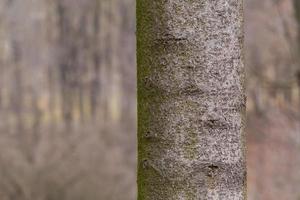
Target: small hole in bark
x=212, y=170
x=213, y=167
x=147, y=82
x=211, y=122
x=147, y=134
x=145, y=163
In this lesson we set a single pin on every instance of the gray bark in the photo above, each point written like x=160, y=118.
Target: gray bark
x=191, y=100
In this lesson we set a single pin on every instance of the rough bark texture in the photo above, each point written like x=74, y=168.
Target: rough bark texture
x=191, y=101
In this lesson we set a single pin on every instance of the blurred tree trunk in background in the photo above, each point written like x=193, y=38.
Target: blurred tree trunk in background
x=271, y=54
x=67, y=99
x=190, y=100
x=297, y=14
x=273, y=99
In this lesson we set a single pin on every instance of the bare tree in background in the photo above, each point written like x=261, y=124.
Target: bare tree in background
x=67, y=100
x=191, y=100
x=297, y=14
x=273, y=100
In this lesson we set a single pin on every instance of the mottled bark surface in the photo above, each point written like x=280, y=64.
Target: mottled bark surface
x=191, y=100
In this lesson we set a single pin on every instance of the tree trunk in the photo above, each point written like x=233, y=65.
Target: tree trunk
x=191, y=100
x=297, y=14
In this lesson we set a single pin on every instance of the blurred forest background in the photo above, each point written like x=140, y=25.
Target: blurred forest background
x=68, y=99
